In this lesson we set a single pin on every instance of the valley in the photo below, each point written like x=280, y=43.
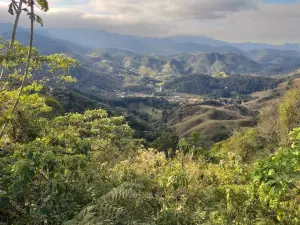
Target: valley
x=211, y=90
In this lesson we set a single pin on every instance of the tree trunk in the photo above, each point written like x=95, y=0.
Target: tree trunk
x=13, y=37
x=26, y=68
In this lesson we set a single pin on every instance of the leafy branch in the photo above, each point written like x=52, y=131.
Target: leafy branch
x=43, y=4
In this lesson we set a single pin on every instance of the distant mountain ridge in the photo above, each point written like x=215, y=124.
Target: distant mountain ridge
x=143, y=45
x=161, y=59
x=47, y=45
x=275, y=61
x=266, y=62
x=128, y=63
x=104, y=39
x=93, y=38
x=244, y=46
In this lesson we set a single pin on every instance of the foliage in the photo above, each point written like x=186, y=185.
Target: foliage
x=26, y=92
x=226, y=87
x=167, y=143
x=279, y=118
x=277, y=181
x=49, y=176
x=87, y=169
x=56, y=66
x=43, y=5
x=129, y=203
x=48, y=162
x=242, y=145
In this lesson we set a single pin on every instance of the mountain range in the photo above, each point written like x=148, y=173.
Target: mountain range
x=180, y=64
x=168, y=45
x=113, y=61
x=47, y=45
x=118, y=61
x=92, y=38
x=175, y=44
x=143, y=45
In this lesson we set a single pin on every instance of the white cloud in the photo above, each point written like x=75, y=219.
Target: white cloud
x=232, y=20
x=207, y=9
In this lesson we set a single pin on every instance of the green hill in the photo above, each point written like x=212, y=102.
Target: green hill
x=95, y=82
x=213, y=122
x=275, y=61
x=133, y=66
x=211, y=63
x=221, y=87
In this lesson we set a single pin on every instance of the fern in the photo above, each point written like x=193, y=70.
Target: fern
x=128, y=204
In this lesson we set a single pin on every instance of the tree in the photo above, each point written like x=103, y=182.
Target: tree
x=194, y=139
x=167, y=141
x=56, y=66
x=57, y=163
x=16, y=8
x=33, y=17
x=276, y=179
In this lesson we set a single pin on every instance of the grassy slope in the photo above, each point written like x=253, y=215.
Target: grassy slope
x=217, y=122
x=260, y=99
x=214, y=123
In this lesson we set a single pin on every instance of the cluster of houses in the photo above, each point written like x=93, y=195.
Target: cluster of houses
x=183, y=100
x=225, y=101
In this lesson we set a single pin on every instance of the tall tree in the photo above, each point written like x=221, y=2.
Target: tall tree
x=43, y=5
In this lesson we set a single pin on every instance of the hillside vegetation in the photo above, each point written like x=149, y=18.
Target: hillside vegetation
x=214, y=122
x=222, y=87
x=120, y=61
x=185, y=72
x=261, y=99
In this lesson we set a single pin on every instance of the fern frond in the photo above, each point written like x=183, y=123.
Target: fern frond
x=128, y=204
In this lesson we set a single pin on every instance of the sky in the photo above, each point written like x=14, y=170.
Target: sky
x=264, y=21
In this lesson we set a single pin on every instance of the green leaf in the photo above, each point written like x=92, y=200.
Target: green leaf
x=272, y=172
x=278, y=218
x=39, y=20
x=10, y=9
x=43, y=4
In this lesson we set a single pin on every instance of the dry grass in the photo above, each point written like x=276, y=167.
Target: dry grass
x=264, y=97
x=213, y=123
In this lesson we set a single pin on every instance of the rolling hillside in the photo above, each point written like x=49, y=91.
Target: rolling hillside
x=221, y=87
x=94, y=82
x=124, y=62
x=275, y=61
x=261, y=99
x=165, y=67
x=211, y=63
x=216, y=122
x=213, y=122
